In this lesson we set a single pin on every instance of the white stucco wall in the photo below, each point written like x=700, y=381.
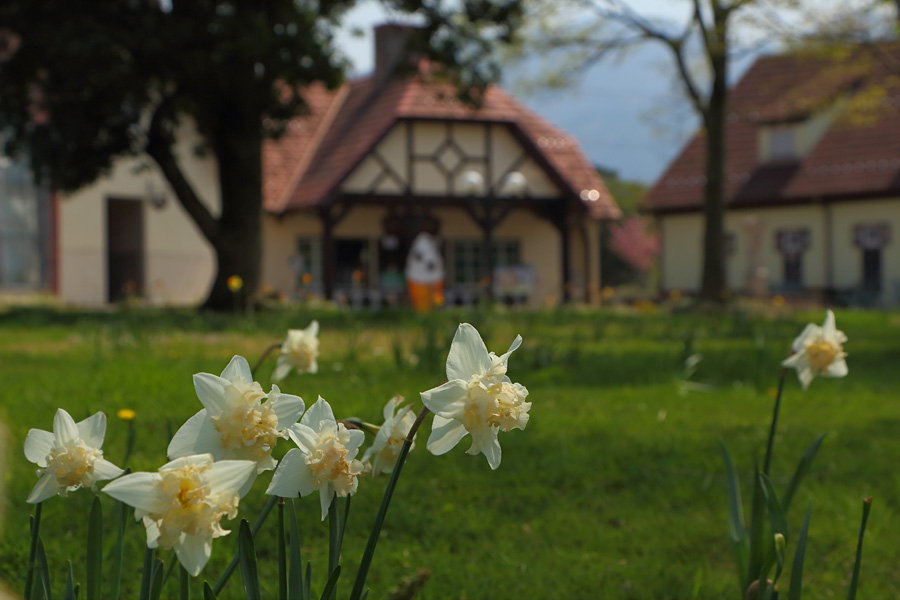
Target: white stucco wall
x=178, y=263
x=682, y=235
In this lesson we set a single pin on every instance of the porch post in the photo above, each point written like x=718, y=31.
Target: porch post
x=566, y=246
x=327, y=253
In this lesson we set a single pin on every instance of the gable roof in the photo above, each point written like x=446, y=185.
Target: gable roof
x=857, y=157
x=307, y=164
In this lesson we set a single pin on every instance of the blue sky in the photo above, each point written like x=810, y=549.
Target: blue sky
x=627, y=114
x=608, y=112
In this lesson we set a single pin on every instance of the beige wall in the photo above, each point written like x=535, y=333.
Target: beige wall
x=682, y=251
x=683, y=237
x=469, y=140
x=539, y=242
x=848, y=258
x=178, y=263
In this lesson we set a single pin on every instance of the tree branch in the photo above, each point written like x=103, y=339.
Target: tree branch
x=159, y=148
x=622, y=14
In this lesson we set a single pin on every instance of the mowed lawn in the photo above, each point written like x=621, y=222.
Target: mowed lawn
x=616, y=488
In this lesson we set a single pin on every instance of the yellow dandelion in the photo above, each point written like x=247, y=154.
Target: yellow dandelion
x=126, y=414
x=235, y=283
x=778, y=301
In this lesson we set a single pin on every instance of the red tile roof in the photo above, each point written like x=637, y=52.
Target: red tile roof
x=857, y=157
x=304, y=167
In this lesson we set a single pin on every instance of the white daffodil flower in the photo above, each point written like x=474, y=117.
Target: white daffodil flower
x=299, y=351
x=181, y=504
x=324, y=460
x=235, y=423
x=818, y=351
x=389, y=439
x=478, y=398
x=70, y=457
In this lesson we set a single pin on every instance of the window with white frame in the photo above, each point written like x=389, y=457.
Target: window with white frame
x=782, y=145
x=468, y=257
x=24, y=218
x=307, y=262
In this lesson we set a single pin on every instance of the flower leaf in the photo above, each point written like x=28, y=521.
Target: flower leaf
x=854, y=581
x=799, y=553
x=208, y=594
x=802, y=469
x=70, y=584
x=247, y=554
x=736, y=528
x=331, y=585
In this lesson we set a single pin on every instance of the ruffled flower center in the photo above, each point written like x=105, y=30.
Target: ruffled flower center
x=330, y=462
x=250, y=429
x=822, y=353
x=72, y=466
x=498, y=404
x=193, y=510
x=302, y=353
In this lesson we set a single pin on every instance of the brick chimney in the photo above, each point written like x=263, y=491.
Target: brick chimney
x=391, y=41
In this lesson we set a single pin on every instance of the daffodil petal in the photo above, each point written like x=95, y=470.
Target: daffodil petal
x=312, y=329
x=829, y=330
x=838, y=368
x=805, y=375
x=65, y=429
x=211, y=392
x=318, y=413
x=512, y=348
x=152, y=532
x=93, y=429
x=46, y=487
x=391, y=407
x=282, y=368
x=468, y=355
x=193, y=553
x=293, y=477
x=795, y=360
x=313, y=367
x=303, y=436
x=38, y=444
x=485, y=441
x=355, y=439
x=196, y=436
x=103, y=470
x=137, y=489
x=445, y=434
x=326, y=497
x=287, y=407
x=447, y=399
x=238, y=369
x=810, y=331
x=228, y=476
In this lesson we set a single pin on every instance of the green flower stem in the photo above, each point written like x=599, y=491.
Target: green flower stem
x=282, y=554
x=32, y=552
x=263, y=357
x=254, y=529
x=147, y=574
x=184, y=587
x=129, y=442
x=369, y=553
x=854, y=581
x=771, y=442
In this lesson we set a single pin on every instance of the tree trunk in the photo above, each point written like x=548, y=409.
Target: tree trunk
x=714, y=285
x=238, y=243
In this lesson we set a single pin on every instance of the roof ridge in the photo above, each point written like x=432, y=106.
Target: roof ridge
x=311, y=148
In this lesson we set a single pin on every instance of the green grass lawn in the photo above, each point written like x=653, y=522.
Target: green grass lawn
x=615, y=490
